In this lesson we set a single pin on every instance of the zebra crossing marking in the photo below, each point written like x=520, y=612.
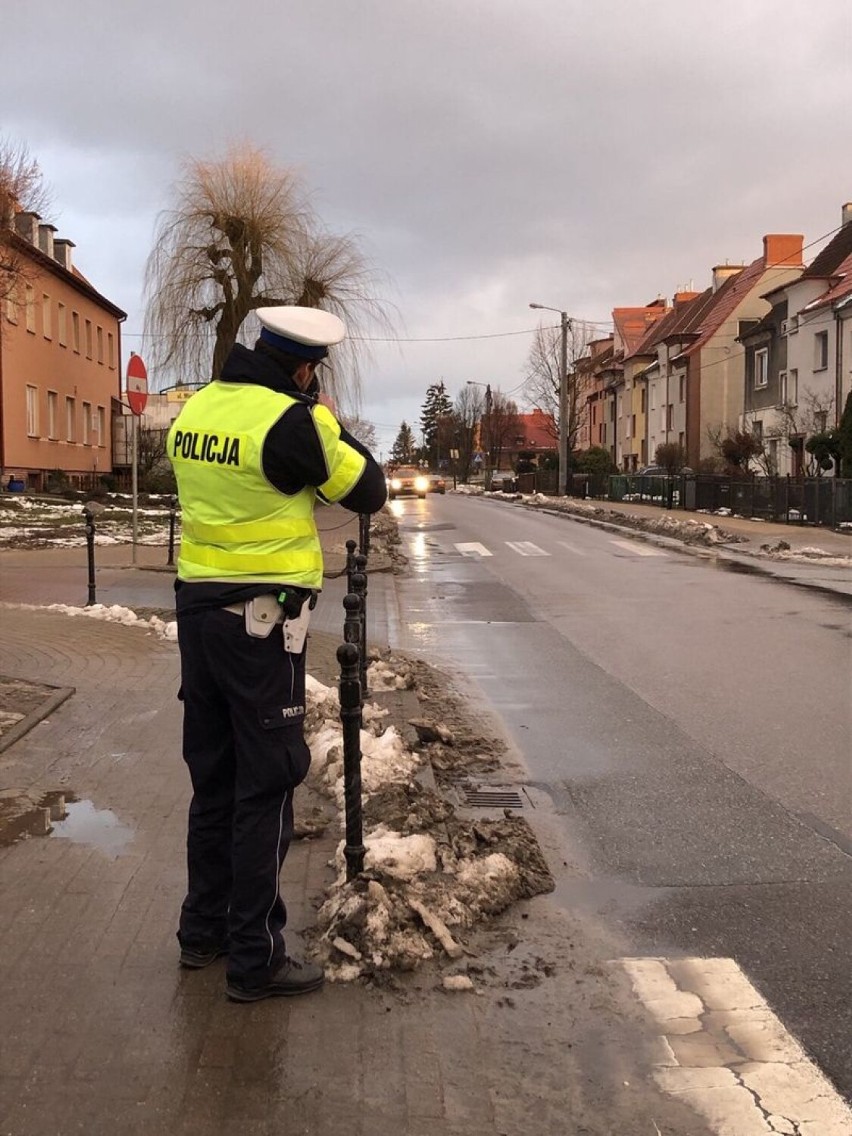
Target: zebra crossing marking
x=526, y=548
x=473, y=548
x=637, y=549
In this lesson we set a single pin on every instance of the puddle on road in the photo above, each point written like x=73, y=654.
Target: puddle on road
x=59, y=814
x=100, y=828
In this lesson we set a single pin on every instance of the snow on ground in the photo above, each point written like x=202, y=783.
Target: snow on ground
x=35, y=522
x=426, y=877
x=108, y=614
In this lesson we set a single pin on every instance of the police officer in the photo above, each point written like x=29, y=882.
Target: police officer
x=253, y=452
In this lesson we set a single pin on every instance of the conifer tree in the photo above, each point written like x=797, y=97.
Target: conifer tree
x=436, y=405
x=402, y=452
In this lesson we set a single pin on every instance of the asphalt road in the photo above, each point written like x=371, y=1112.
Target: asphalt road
x=689, y=723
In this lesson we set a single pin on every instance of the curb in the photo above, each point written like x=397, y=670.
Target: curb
x=44, y=710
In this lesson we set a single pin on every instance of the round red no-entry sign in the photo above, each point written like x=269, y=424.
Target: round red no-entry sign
x=137, y=384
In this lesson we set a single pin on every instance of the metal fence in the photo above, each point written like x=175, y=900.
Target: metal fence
x=803, y=501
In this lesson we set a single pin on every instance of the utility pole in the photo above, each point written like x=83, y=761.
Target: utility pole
x=562, y=485
x=565, y=323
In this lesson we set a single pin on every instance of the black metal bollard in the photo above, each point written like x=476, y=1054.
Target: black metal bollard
x=172, y=517
x=352, y=619
x=350, y=718
x=88, y=513
x=364, y=533
x=351, y=545
x=361, y=590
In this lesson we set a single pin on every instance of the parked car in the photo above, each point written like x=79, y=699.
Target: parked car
x=437, y=483
x=407, y=482
x=652, y=471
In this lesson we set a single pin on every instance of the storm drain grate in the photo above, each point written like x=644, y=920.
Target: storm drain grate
x=493, y=799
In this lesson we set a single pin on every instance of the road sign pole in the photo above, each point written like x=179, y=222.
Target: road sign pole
x=134, y=476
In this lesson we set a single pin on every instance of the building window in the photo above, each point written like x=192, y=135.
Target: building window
x=101, y=425
x=89, y=339
x=52, y=411
x=820, y=350
x=62, y=325
x=46, y=322
x=642, y=399
x=773, y=455
x=757, y=430
x=29, y=295
x=761, y=367
x=681, y=439
x=32, y=412
x=820, y=421
x=70, y=420
x=669, y=416
x=75, y=331
x=12, y=305
x=100, y=345
x=87, y=423
x=632, y=425
x=111, y=350
x=788, y=385
x=682, y=390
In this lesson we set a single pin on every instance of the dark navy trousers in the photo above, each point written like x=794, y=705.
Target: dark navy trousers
x=243, y=741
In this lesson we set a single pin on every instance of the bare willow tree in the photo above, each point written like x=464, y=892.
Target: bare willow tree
x=241, y=235
x=500, y=428
x=467, y=413
x=543, y=376
x=22, y=188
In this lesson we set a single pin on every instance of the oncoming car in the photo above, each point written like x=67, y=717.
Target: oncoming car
x=437, y=483
x=407, y=482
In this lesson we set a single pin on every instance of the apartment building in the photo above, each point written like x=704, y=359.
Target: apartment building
x=60, y=365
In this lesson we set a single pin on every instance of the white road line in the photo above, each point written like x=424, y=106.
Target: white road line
x=724, y=1052
x=572, y=548
x=473, y=549
x=637, y=549
x=526, y=548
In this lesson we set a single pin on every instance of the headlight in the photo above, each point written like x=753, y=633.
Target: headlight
x=396, y=483
x=421, y=484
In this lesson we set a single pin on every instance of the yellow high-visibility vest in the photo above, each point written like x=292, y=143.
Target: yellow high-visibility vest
x=235, y=524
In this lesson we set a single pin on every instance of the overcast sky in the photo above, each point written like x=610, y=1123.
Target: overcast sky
x=580, y=155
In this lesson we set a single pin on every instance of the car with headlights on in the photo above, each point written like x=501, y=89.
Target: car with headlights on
x=407, y=482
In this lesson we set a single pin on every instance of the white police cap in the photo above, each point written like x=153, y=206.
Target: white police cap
x=304, y=332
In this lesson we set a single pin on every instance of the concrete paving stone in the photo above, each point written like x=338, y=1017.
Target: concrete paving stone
x=718, y=982
x=700, y=1050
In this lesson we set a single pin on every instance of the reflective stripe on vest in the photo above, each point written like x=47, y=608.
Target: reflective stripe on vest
x=348, y=464
x=235, y=523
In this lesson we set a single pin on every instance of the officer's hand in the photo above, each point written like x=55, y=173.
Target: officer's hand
x=327, y=401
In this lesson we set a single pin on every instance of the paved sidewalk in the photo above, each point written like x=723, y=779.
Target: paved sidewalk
x=103, y=1033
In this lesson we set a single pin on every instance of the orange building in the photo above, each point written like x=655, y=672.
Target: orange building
x=60, y=366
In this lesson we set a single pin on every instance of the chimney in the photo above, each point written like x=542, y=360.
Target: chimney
x=722, y=272
x=45, y=239
x=62, y=252
x=783, y=249
x=26, y=226
x=681, y=298
x=846, y=214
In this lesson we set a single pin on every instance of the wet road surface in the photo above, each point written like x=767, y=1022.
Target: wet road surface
x=688, y=723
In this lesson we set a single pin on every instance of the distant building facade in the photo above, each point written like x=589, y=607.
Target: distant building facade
x=60, y=365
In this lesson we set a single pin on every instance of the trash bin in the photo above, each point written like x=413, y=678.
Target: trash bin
x=16, y=485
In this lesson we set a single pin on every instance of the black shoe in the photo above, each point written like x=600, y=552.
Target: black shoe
x=196, y=958
x=292, y=978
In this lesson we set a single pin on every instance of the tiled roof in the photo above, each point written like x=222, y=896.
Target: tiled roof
x=633, y=324
x=724, y=301
x=840, y=288
x=538, y=430
x=835, y=252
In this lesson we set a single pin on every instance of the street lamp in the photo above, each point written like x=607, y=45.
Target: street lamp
x=488, y=403
x=562, y=485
